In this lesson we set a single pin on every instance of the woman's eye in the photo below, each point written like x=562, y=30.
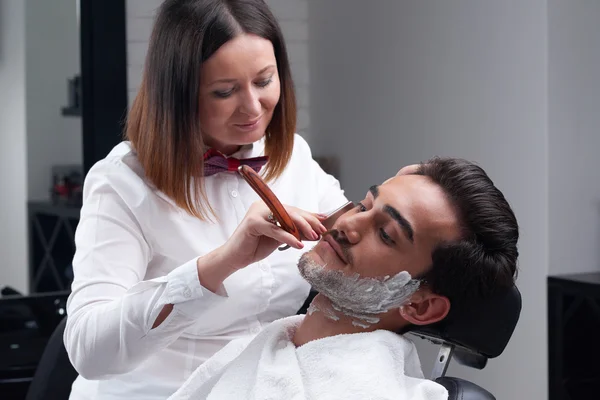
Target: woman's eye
x=361, y=207
x=264, y=83
x=222, y=94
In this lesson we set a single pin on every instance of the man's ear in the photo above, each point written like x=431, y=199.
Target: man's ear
x=425, y=308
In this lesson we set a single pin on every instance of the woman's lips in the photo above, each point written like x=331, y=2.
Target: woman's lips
x=249, y=126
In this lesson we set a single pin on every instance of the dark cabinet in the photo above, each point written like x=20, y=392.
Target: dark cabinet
x=573, y=332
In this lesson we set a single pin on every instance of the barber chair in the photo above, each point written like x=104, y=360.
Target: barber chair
x=33, y=361
x=470, y=339
x=54, y=373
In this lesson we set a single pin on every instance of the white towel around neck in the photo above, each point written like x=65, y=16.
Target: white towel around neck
x=376, y=365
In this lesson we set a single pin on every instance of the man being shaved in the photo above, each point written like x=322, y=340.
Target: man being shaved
x=420, y=248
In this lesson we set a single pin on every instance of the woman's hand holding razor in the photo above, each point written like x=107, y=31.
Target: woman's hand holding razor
x=259, y=234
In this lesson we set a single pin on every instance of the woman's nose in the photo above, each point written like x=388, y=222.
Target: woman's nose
x=250, y=104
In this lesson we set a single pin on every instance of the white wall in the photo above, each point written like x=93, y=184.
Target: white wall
x=13, y=162
x=397, y=82
x=574, y=137
x=292, y=16
x=39, y=50
x=52, y=55
x=140, y=18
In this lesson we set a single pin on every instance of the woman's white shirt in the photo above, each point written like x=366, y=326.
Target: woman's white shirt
x=136, y=251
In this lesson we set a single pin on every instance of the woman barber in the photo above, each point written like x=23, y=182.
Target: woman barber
x=174, y=253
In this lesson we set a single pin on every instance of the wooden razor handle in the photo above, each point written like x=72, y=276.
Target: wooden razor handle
x=267, y=195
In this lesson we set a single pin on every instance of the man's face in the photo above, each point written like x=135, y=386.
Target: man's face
x=395, y=228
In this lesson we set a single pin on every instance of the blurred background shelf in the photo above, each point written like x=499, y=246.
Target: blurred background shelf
x=52, y=245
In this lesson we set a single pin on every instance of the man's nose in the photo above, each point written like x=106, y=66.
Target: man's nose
x=250, y=104
x=349, y=229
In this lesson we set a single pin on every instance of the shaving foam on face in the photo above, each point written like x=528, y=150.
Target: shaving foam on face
x=359, y=298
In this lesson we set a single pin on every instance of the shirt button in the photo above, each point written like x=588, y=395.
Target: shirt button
x=234, y=193
x=187, y=293
x=264, y=267
x=255, y=330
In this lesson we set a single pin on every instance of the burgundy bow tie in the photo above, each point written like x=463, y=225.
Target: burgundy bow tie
x=215, y=162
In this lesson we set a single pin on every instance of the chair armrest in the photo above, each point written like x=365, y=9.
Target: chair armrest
x=460, y=389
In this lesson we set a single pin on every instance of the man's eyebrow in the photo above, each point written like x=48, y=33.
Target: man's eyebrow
x=404, y=224
x=374, y=191
x=392, y=212
x=234, y=80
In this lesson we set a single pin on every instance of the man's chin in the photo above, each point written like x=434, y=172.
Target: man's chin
x=315, y=259
x=324, y=255
x=310, y=259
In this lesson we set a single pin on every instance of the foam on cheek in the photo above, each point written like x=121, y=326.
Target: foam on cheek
x=362, y=299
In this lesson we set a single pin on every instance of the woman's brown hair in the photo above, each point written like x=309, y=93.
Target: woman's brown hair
x=163, y=124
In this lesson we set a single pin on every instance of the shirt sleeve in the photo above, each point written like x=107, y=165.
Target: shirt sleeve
x=330, y=194
x=111, y=308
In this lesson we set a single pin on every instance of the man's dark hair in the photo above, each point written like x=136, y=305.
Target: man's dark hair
x=484, y=261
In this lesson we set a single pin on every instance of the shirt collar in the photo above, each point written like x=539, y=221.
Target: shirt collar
x=255, y=149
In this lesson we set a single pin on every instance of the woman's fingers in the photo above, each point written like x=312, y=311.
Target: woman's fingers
x=306, y=230
x=309, y=224
x=273, y=231
x=316, y=222
x=282, y=236
x=263, y=227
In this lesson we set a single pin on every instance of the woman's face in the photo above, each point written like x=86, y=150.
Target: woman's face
x=239, y=90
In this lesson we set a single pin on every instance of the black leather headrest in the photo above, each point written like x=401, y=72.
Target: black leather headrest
x=484, y=329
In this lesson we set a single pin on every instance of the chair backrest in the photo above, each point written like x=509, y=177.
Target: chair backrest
x=470, y=339
x=481, y=333
x=54, y=375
